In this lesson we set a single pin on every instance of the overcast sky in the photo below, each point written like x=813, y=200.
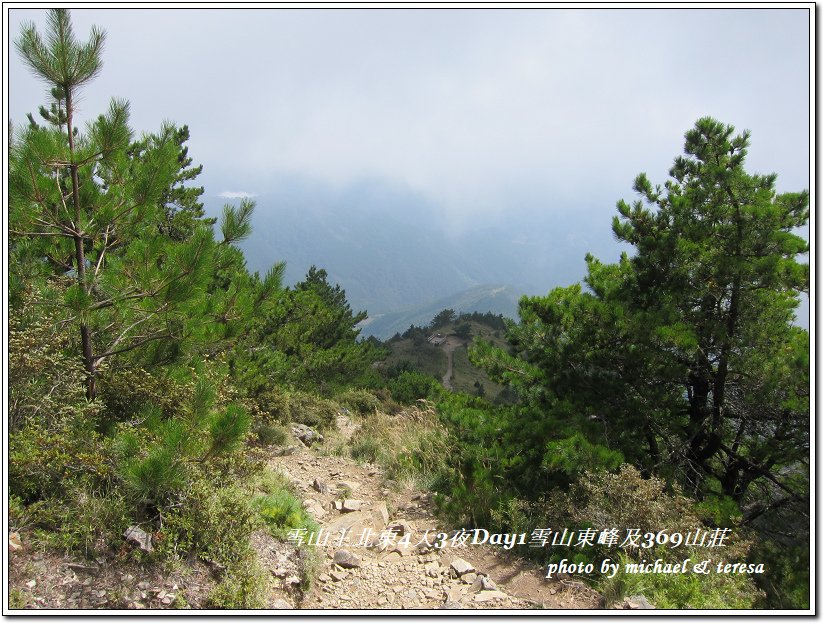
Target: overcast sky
x=477, y=110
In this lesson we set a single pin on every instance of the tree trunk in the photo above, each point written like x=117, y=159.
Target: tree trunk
x=80, y=254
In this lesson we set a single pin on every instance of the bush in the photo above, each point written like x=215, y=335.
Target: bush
x=282, y=512
x=244, y=586
x=412, y=445
x=627, y=500
x=44, y=463
x=270, y=435
x=82, y=521
x=213, y=521
x=360, y=401
x=409, y=387
x=313, y=410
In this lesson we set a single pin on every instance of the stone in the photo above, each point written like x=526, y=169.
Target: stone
x=486, y=596
x=314, y=508
x=379, y=510
x=94, y=570
x=280, y=603
x=451, y=604
x=136, y=536
x=401, y=527
x=469, y=578
x=353, y=504
x=432, y=569
x=144, y=585
x=292, y=580
x=346, y=559
x=403, y=551
x=15, y=543
x=31, y=584
x=348, y=485
x=454, y=594
x=324, y=578
x=306, y=434
x=637, y=602
x=320, y=486
x=461, y=567
x=488, y=583
x=357, y=522
x=338, y=575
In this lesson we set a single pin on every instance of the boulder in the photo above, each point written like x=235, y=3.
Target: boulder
x=280, y=603
x=637, y=602
x=487, y=595
x=320, y=486
x=352, y=504
x=306, y=434
x=136, y=536
x=346, y=559
x=461, y=567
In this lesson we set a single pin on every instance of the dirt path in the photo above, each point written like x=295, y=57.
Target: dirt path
x=393, y=567
x=449, y=347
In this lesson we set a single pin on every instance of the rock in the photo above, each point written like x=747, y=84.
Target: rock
x=338, y=575
x=451, y=604
x=314, y=508
x=349, y=485
x=144, y=585
x=401, y=527
x=454, y=594
x=359, y=521
x=282, y=452
x=483, y=583
x=345, y=559
x=352, y=504
x=321, y=487
x=637, y=602
x=469, y=578
x=403, y=551
x=431, y=593
x=306, y=434
x=31, y=584
x=486, y=596
x=432, y=569
x=15, y=543
x=138, y=537
x=324, y=578
x=292, y=580
x=280, y=603
x=461, y=567
x=380, y=510
x=94, y=570
x=392, y=556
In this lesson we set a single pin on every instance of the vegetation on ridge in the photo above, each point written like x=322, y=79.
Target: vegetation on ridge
x=150, y=372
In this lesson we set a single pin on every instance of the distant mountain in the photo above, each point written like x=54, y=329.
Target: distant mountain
x=395, y=251
x=495, y=299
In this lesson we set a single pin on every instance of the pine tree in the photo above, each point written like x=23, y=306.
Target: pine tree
x=93, y=205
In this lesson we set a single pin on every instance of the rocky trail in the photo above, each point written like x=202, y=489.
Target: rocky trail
x=383, y=562
x=387, y=559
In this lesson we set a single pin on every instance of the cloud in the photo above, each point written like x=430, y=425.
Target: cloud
x=237, y=195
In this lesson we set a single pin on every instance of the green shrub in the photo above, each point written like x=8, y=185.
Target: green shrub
x=244, y=586
x=362, y=402
x=82, y=521
x=409, y=387
x=281, y=511
x=313, y=410
x=212, y=520
x=270, y=435
x=43, y=463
